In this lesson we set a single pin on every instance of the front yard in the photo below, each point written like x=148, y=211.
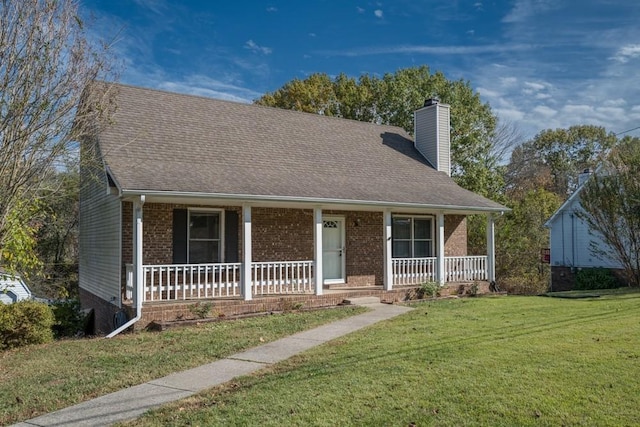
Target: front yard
x=486, y=361
x=43, y=378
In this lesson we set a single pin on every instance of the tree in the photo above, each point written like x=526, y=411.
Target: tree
x=554, y=158
x=57, y=237
x=610, y=203
x=392, y=100
x=46, y=62
x=520, y=234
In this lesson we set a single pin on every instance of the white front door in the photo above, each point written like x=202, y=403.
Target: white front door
x=333, y=255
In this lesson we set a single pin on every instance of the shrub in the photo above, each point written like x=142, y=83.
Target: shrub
x=69, y=319
x=525, y=284
x=595, y=278
x=201, y=309
x=25, y=322
x=428, y=289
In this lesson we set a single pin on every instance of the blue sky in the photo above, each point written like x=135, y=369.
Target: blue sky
x=539, y=63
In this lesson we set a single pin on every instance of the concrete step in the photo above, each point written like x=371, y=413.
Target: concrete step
x=361, y=301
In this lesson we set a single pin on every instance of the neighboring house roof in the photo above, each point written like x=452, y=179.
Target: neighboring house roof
x=567, y=203
x=12, y=288
x=183, y=144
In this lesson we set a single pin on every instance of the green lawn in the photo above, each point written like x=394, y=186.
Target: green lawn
x=501, y=361
x=39, y=379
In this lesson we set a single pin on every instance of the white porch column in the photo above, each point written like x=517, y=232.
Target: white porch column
x=440, y=254
x=246, y=252
x=137, y=251
x=317, y=250
x=388, y=266
x=491, y=249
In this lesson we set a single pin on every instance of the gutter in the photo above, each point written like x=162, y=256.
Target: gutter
x=248, y=198
x=137, y=212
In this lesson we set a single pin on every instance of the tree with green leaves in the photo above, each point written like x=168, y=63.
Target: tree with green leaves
x=610, y=202
x=520, y=234
x=46, y=62
x=392, y=99
x=554, y=158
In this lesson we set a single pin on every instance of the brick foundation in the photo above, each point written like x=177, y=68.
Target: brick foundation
x=104, y=312
x=564, y=278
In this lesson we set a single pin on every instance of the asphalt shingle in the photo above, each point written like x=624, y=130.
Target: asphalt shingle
x=161, y=141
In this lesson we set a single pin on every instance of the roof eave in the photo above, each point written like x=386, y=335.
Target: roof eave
x=254, y=198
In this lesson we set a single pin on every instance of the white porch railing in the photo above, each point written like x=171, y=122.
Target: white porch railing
x=172, y=282
x=190, y=281
x=284, y=277
x=412, y=271
x=196, y=281
x=465, y=268
x=129, y=281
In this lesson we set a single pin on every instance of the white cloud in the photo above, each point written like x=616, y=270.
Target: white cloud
x=205, y=86
x=252, y=46
x=489, y=93
x=428, y=49
x=359, y=9
x=544, y=111
x=156, y=6
x=526, y=9
x=378, y=13
x=509, y=81
x=272, y=9
x=625, y=53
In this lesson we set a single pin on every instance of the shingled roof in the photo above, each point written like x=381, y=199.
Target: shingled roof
x=178, y=144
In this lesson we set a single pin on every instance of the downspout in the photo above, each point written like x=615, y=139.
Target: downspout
x=137, y=213
x=573, y=242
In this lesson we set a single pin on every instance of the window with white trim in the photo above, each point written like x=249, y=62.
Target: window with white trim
x=204, y=238
x=412, y=237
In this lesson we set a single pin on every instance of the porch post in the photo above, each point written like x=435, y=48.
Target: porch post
x=246, y=252
x=137, y=251
x=491, y=249
x=440, y=254
x=317, y=250
x=388, y=266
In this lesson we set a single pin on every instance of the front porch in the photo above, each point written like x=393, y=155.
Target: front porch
x=173, y=282
x=289, y=251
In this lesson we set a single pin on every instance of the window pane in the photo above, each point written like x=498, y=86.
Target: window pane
x=421, y=249
x=421, y=228
x=204, y=226
x=401, y=228
x=203, y=251
x=401, y=249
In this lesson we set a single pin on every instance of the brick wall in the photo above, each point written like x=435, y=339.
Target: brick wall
x=455, y=235
x=364, y=247
x=281, y=234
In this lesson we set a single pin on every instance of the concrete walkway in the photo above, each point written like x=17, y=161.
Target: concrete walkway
x=132, y=402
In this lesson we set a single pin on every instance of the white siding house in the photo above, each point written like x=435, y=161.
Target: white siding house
x=13, y=289
x=100, y=227
x=571, y=241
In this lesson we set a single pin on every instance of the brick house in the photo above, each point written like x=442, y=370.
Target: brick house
x=186, y=198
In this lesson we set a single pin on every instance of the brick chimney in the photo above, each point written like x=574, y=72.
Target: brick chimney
x=432, y=132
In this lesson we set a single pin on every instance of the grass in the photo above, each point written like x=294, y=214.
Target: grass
x=40, y=379
x=477, y=361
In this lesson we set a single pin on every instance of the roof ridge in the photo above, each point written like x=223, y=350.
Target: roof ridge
x=252, y=105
